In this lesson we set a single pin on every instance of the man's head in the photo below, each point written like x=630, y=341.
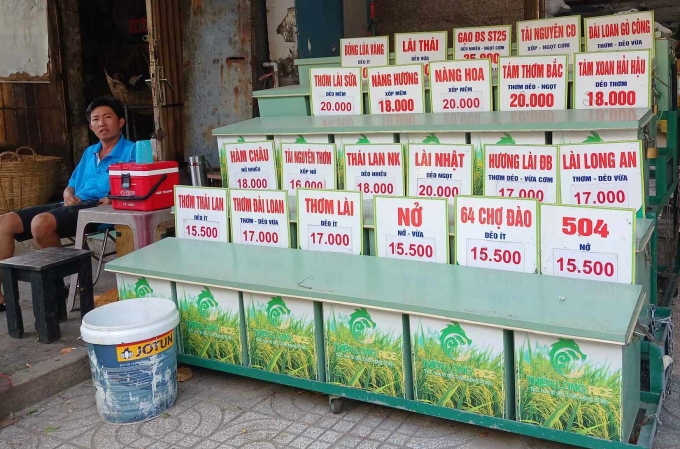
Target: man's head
x=105, y=117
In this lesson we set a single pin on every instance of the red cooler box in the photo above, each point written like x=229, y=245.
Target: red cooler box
x=143, y=187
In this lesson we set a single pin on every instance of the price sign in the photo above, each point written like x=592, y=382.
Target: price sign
x=497, y=233
x=412, y=228
x=308, y=166
x=439, y=171
x=605, y=174
x=336, y=91
x=482, y=43
x=330, y=220
x=588, y=243
x=459, y=86
x=374, y=169
x=201, y=213
x=633, y=31
x=365, y=52
x=421, y=48
x=259, y=217
x=521, y=171
x=396, y=89
x=250, y=165
x=554, y=36
x=612, y=80
x=533, y=83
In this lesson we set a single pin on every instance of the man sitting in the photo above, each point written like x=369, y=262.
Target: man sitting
x=88, y=186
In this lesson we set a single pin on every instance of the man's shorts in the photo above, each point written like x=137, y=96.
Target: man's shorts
x=66, y=216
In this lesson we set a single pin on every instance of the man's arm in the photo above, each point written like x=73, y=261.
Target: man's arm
x=70, y=198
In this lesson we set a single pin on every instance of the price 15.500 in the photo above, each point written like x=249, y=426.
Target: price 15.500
x=413, y=248
x=585, y=265
x=494, y=254
x=201, y=230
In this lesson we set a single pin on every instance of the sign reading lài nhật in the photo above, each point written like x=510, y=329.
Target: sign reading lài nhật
x=201, y=213
x=259, y=217
x=308, y=166
x=365, y=52
x=521, y=171
x=497, y=233
x=412, y=228
x=251, y=165
x=459, y=86
x=532, y=83
x=482, y=43
x=396, y=89
x=439, y=170
x=553, y=36
x=374, y=169
x=330, y=220
x=423, y=48
x=634, y=31
x=336, y=91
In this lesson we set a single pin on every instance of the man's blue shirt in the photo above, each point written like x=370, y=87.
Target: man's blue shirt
x=90, y=179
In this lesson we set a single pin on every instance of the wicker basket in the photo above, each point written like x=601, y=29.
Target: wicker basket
x=106, y=298
x=126, y=96
x=26, y=179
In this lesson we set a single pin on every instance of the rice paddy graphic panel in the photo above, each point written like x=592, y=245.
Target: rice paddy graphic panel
x=569, y=385
x=281, y=335
x=364, y=349
x=210, y=323
x=130, y=287
x=458, y=365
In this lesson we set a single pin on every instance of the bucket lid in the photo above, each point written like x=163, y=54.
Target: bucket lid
x=129, y=321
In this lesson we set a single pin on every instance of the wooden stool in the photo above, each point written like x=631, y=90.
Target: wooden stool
x=45, y=270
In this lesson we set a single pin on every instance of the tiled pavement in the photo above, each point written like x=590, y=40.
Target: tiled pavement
x=216, y=410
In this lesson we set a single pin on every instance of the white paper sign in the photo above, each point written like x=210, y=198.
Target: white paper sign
x=533, y=83
x=588, y=243
x=432, y=138
x=250, y=165
x=308, y=166
x=259, y=217
x=554, y=36
x=482, y=43
x=412, y=228
x=201, y=213
x=365, y=52
x=421, y=48
x=374, y=169
x=521, y=171
x=459, y=86
x=602, y=174
x=330, y=221
x=336, y=91
x=439, y=170
x=612, y=80
x=620, y=32
x=396, y=89
x=497, y=233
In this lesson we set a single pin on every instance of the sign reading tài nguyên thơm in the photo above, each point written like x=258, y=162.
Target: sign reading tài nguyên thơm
x=201, y=213
x=250, y=165
x=308, y=166
x=336, y=91
x=439, y=170
x=620, y=79
x=553, y=36
x=412, y=228
x=594, y=243
x=396, y=89
x=634, y=31
x=482, y=43
x=497, y=233
x=364, y=52
x=423, y=48
x=460, y=86
x=608, y=174
x=259, y=217
x=532, y=83
x=330, y=220
x=521, y=171
x=374, y=169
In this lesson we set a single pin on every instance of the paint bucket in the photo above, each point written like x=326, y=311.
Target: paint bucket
x=133, y=358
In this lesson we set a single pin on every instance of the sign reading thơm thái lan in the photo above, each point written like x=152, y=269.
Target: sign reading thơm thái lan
x=201, y=213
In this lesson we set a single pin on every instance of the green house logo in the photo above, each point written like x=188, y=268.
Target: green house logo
x=567, y=359
x=431, y=138
x=278, y=313
x=207, y=306
x=362, y=327
x=593, y=138
x=142, y=288
x=506, y=140
x=363, y=139
x=455, y=343
x=300, y=139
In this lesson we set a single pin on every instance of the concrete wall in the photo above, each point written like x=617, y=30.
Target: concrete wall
x=283, y=36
